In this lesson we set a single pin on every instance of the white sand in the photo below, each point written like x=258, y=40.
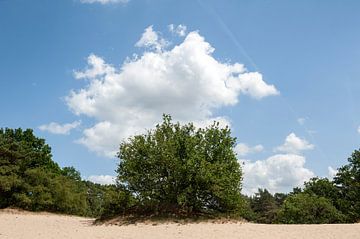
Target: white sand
x=14, y=225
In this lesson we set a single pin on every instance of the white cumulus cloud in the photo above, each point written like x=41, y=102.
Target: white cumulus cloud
x=179, y=30
x=294, y=144
x=278, y=173
x=102, y=179
x=358, y=129
x=243, y=149
x=185, y=81
x=104, y=1
x=56, y=128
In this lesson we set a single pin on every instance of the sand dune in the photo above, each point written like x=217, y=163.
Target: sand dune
x=15, y=225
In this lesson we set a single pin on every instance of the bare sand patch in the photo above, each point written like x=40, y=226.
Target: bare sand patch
x=19, y=224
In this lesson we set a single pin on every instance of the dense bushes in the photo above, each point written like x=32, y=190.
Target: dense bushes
x=181, y=169
x=174, y=169
x=305, y=208
x=31, y=180
x=321, y=201
x=339, y=199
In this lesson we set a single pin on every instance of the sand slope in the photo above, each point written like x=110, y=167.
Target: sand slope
x=14, y=225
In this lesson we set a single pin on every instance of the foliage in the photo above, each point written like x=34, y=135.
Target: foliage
x=117, y=201
x=280, y=198
x=348, y=182
x=323, y=187
x=20, y=151
x=31, y=180
x=308, y=209
x=265, y=206
x=182, y=169
x=173, y=169
x=71, y=172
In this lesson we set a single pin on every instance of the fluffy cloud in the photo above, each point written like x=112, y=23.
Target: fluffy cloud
x=243, y=149
x=151, y=39
x=56, y=128
x=185, y=81
x=294, y=144
x=278, y=173
x=104, y=1
x=102, y=179
x=179, y=30
x=358, y=129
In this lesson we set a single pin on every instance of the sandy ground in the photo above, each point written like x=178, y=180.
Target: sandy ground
x=14, y=225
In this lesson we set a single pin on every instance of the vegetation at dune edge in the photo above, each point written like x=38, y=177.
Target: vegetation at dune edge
x=31, y=180
x=172, y=170
x=182, y=170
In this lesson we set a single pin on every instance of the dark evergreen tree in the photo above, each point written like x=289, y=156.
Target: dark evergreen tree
x=264, y=205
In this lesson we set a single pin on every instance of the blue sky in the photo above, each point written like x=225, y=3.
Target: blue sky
x=308, y=51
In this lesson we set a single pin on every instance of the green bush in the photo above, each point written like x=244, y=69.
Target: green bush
x=303, y=208
x=182, y=169
x=117, y=201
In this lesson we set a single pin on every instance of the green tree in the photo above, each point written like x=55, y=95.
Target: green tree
x=304, y=208
x=178, y=168
x=348, y=182
x=31, y=180
x=71, y=172
x=20, y=151
x=323, y=187
x=265, y=206
x=280, y=198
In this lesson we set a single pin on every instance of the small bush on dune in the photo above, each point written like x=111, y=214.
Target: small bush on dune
x=182, y=170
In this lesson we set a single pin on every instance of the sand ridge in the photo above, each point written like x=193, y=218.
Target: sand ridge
x=18, y=224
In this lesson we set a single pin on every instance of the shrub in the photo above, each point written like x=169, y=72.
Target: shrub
x=308, y=209
x=180, y=169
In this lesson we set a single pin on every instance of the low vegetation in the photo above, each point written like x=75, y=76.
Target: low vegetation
x=171, y=171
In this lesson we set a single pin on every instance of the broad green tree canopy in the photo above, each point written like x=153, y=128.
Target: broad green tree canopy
x=180, y=168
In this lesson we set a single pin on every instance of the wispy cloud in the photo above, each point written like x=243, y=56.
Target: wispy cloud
x=243, y=149
x=301, y=121
x=104, y=1
x=56, y=128
x=179, y=30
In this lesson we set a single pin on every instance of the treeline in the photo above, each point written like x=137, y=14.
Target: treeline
x=320, y=201
x=174, y=171
x=31, y=180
